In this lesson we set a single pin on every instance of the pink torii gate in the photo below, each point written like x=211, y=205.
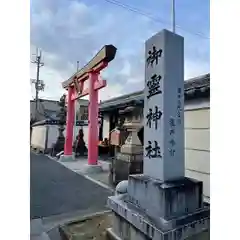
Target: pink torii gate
x=75, y=88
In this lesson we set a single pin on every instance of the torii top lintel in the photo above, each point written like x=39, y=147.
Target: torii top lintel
x=98, y=62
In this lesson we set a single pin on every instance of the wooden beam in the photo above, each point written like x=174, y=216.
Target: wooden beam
x=98, y=62
x=97, y=85
x=75, y=96
x=100, y=84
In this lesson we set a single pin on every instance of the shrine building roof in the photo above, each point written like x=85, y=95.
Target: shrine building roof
x=194, y=88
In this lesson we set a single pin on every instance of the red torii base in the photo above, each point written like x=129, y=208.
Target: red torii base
x=75, y=87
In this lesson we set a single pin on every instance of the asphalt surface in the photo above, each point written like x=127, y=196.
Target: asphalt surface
x=57, y=190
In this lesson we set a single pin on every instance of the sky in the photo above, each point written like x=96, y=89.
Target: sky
x=68, y=31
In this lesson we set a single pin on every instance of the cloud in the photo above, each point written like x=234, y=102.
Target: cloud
x=195, y=68
x=68, y=31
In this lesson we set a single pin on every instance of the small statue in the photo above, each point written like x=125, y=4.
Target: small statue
x=80, y=146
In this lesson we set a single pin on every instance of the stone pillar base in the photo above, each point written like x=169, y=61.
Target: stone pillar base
x=126, y=164
x=129, y=232
x=88, y=169
x=66, y=158
x=155, y=210
x=168, y=200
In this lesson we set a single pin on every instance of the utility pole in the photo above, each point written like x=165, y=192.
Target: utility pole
x=173, y=17
x=39, y=84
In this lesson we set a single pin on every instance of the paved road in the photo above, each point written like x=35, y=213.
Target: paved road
x=56, y=190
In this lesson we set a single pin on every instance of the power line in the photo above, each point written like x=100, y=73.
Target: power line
x=138, y=11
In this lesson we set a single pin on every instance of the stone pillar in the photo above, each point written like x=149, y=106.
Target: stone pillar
x=162, y=203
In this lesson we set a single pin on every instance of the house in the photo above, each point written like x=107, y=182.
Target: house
x=46, y=109
x=49, y=109
x=197, y=125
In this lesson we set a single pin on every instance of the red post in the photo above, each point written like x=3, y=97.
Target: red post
x=93, y=120
x=70, y=123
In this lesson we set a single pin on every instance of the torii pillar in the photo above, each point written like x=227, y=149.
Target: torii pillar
x=75, y=87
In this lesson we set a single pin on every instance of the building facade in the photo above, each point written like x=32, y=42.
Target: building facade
x=48, y=109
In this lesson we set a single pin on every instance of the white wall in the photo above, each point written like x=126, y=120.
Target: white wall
x=38, y=137
x=106, y=126
x=52, y=135
x=197, y=145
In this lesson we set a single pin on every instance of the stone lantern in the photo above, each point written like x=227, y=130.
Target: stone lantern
x=130, y=158
x=132, y=149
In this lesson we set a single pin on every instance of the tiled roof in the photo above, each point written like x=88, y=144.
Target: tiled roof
x=194, y=88
x=201, y=83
